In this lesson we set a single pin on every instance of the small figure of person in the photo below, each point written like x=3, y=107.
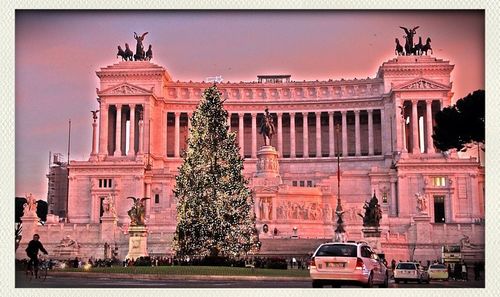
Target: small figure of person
x=34, y=246
x=465, y=277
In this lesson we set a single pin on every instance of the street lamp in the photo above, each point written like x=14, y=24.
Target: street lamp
x=340, y=235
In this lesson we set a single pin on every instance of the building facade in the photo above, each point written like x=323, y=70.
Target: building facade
x=57, y=189
x=381, y=127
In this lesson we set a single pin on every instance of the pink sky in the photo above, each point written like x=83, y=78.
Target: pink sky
x=58, y=52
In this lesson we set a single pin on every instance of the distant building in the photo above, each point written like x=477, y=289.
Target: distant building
x=57, y=193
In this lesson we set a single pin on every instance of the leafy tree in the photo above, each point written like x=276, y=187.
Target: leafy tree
x=461, y=124
x=214, y=206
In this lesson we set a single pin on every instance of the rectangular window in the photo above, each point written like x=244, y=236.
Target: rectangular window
x=302, y=184
x=100, y=183
x=109, y=182
x=439, y=181
x=309, y=183
x=294, y=183
x=157, y=198
x=105, y=183
x=439, y=209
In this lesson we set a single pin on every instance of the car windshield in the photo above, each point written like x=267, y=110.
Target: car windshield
x=405, y=266
x=337, y=250
x=440, y=266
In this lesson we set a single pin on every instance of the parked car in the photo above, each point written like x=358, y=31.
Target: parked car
x=438, y=271
x=410, y=271
x=347, y=263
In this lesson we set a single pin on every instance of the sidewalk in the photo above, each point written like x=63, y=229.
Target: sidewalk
x=173, y=277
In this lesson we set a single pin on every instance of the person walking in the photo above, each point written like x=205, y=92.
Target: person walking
x=34, y=246
x=465, y=277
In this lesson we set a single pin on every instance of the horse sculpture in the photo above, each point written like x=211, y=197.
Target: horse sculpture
x=427, y=46
x=139, y=50
x=149, y=53
x=419, y=46
x=267, y=128
x=399, y=48
x=125, y=54
x=128, y=52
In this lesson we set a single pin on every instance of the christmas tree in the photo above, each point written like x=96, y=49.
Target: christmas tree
x=214, y=206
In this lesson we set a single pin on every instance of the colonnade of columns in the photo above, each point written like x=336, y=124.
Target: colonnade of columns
x=414, y=131
x=105, y=137
x=278, y=139
x=410, y=134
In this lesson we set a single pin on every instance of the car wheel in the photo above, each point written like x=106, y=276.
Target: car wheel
x=386, y=282
x=369, y=284
x=316, y=284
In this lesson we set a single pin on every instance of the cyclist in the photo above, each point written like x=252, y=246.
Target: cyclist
x=32, y=251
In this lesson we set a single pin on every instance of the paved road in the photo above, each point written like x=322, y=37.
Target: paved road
x=106, y=282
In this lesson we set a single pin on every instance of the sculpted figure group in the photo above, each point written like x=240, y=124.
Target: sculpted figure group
x=373, y=213
x=140, y=54
x=410, y=48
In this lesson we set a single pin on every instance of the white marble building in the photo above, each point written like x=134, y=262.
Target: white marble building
x=384, y=138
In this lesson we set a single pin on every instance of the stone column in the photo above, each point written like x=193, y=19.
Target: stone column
x=94, y=138
x=430, y=142
x=118, y=130
x=386, y=143
x=280, y=134
x=140, y=150
x=292, y=135
x=131, y=143
x=393, y=202
x=318, y=133
x=344, y=133
x=164, y=116
x=331, y=141
x=229, y=121
x=305, y=135
x=241, y=133
x=370, y=132
x=357, y=133
x=177, y=134
x=254, y=135
x=403, y=133
x=414, y=127
x=103, y=131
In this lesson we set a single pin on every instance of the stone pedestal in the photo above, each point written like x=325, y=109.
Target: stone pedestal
x=267, y=163
x=138, y=242
x=372, y=236
x=30, y=225
x=109, y=229
x=423, y=236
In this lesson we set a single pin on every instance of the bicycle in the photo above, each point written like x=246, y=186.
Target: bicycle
x=43, y=267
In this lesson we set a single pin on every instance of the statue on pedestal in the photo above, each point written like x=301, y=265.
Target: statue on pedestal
x=108, y=206
x=267, y=128
x=30, y=205
x=373, y=213
x=138, y=211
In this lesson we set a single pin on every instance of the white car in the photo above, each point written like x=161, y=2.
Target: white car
x=410, y=271
x=347, y=263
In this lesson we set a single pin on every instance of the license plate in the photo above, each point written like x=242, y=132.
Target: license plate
x=335, y=264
